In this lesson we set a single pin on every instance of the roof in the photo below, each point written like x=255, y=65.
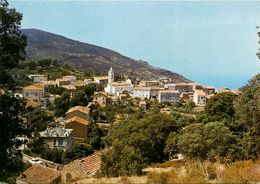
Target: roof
x=154, y=81
x=101, y=93
x=77, y=119
x=101, y=78
x=121, y=84
x=69, y=87
x=39, y=174
x=56, y=132
x=142, y=102
x=31, y=103
x=169, y=91
x=208, y=87
x=142, y=88
x=91, y=164
x=200, y=93
x=69, y=76
x=37, y=86
x=78, y=108
x=36, y=75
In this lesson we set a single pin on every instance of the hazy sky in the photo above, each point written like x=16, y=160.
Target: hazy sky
x=213, y=43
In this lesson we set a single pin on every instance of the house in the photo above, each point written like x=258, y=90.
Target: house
x=101, y=98
x=209, y=90
x=79, y=126
x=70, y=78
x=62, y=82
x=78, y=83
x=83, y=167
x=199, y=98
x=101, y=80
x=35, y=92
x=33, y=114
x=115, y=87
x=168, y=96
x=57, y=137
x=39, y=174
x=79, y=111
x=141, y=92
x=149, y=83
x=38, y=78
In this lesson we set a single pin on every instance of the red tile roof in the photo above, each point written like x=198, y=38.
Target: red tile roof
x=39, y=174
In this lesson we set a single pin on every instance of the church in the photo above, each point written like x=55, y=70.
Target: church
x=115, y=88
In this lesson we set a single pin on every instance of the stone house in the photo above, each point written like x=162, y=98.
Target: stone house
x=168, y=96
x=79, y=125
x=102, y=98
x=57, y=137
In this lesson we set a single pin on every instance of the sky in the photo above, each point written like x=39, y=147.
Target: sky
x=212, y=43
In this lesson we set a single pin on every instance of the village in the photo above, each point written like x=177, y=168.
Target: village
x=74, y=126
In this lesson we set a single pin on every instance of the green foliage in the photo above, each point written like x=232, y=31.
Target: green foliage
x=248, y=117
x=11, y=111
x=219, y=107
x=95, y=138
x=12, y=42
x=78, y=151
x=62, y=104
x=138, y=142
x=213, y=141
x=55, y=90
x=54, y=155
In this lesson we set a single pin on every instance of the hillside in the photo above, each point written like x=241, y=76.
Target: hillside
x=76, y=54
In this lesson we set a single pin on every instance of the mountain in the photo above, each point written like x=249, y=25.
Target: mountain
x=41, y=44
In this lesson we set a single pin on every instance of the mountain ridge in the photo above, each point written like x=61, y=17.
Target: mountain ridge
x=77, y=54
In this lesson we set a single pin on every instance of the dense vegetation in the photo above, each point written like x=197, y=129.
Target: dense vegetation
x=228, y=130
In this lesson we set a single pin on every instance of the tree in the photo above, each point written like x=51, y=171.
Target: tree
x=12, y=42
x=11, y=111
x=247, y=108
x=62, y=104
x=219, y=108
x=213, y=141
x=78, y=151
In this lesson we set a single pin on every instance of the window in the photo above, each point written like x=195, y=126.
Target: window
x=60, y=142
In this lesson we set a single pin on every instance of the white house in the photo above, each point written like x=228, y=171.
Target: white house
x=38, y=78
x=118, y=87
x=70, y=78
x=199, y=98
x=141, y=92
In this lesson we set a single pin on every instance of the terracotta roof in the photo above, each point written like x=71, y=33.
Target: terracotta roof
x=69, y=87
x=101, y=78
x=169, y=91
x=208, y=87
x=200, y=93
x=121, y=84
x=91, y=164
x=154, y=81
x=37, y=86
x=79, y=108
x=77, y=119
x=142, y=88
x=39, y=174
x=142, y=102
x=101, y=93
